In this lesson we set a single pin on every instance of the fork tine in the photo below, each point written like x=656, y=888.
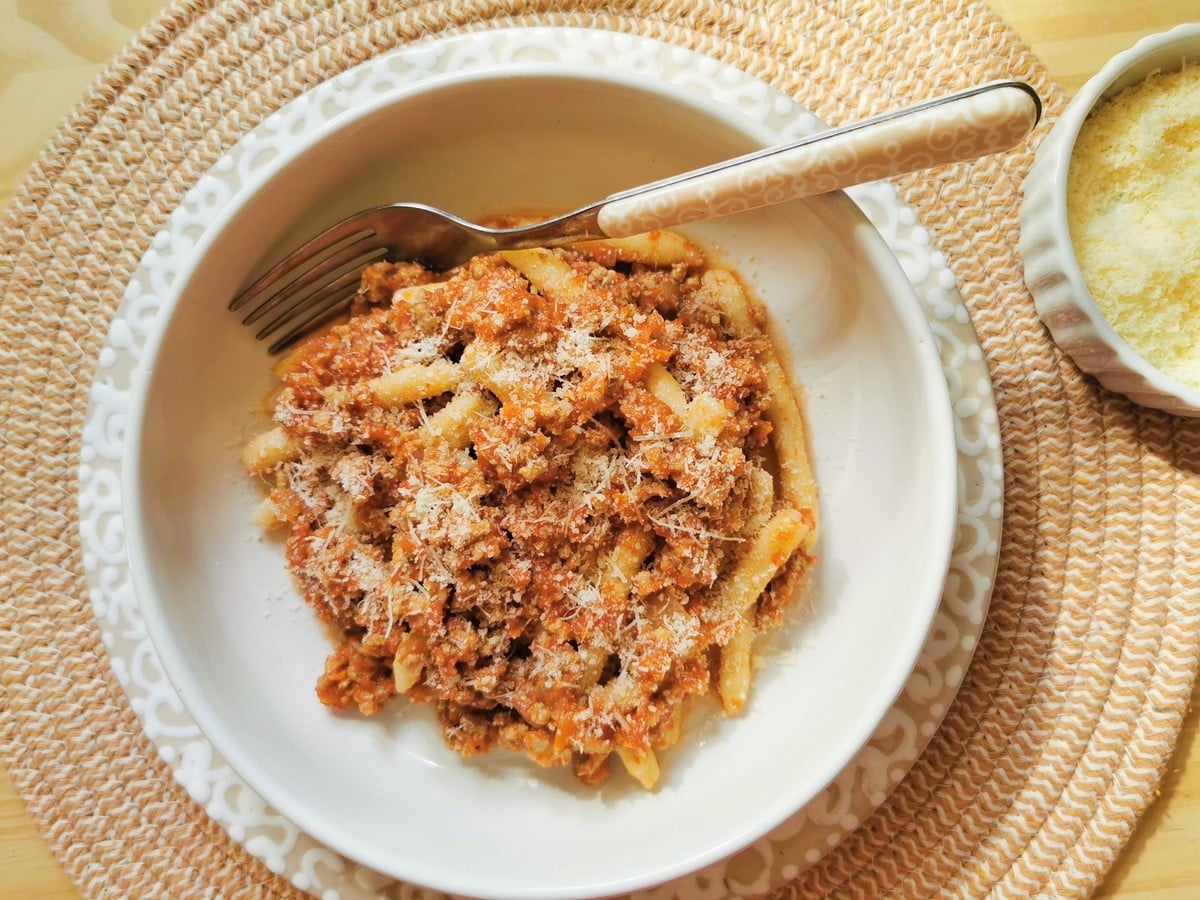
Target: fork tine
x=352, y=257
x=294, y=262
x=310, y=322
x=344, y=286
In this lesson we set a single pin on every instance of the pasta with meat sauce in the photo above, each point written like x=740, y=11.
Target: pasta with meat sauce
x=556, y=493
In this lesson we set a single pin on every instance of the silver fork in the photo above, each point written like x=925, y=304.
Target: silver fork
x=317, y=280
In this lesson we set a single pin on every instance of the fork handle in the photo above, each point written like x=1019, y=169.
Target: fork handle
x=963, y=126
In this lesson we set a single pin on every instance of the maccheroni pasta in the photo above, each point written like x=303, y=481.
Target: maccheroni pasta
x=556, y=493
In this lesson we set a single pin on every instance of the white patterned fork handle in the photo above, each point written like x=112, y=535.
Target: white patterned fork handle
x=967, y=125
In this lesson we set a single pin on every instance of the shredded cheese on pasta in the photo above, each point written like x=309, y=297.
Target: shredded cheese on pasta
x=551, y=492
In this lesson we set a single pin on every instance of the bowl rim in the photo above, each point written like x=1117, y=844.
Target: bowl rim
x=1060, y=145
x=133, y=498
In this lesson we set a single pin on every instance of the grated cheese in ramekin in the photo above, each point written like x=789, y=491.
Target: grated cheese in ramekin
x=1133, y=205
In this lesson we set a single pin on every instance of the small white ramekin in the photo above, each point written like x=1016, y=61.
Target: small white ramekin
x=1052, y=271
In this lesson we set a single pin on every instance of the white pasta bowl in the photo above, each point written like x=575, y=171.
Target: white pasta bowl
x=1052, y=271
x=244, y=653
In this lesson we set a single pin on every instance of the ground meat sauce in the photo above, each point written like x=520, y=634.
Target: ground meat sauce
x=480, y=575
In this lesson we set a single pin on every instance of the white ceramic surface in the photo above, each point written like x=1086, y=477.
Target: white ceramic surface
x=1052, y=272
x=205, y=520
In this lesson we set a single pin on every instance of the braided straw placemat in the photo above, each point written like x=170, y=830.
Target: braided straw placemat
x=1071, y=707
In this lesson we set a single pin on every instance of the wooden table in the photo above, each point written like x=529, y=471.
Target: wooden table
x=49, y=51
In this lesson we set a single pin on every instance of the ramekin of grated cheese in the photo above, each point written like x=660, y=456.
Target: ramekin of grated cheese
x=1110, y=224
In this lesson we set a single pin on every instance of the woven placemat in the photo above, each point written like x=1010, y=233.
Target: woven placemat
x=1072, y=705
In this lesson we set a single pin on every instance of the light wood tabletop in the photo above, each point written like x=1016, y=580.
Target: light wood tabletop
x=49, y=51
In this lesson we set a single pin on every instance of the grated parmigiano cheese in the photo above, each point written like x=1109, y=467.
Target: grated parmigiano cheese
x=1133, y=205
x=551, y=576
